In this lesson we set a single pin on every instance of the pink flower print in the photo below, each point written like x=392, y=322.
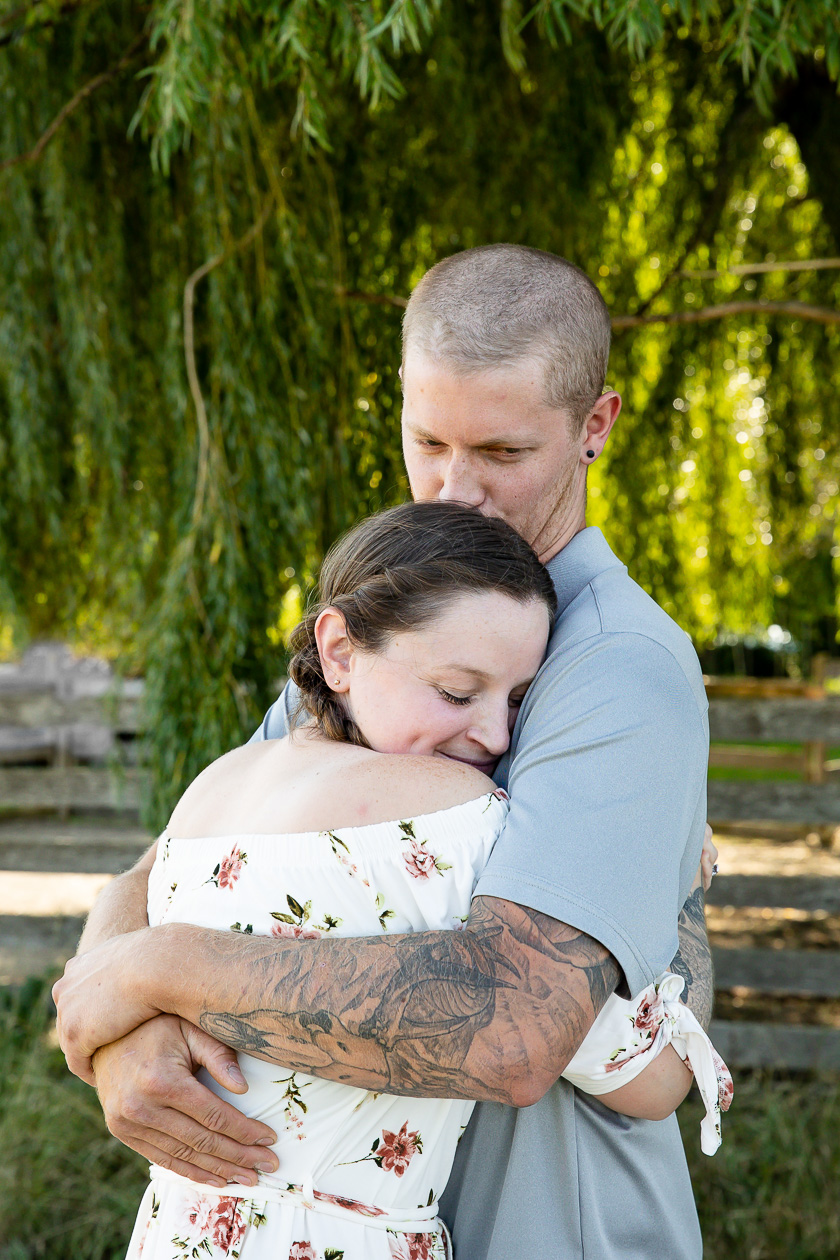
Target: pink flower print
x=228, y=1225
x=412, y=1246
x=352, y=1205
x=230, y=868
x=396, y=1150
x=615, y=1064
x=294, y=925
x=420, y=864
x=726, y=1087
x=303, y=1251
x=337, y=844
x=500, y=794
x=649, y=1015
x=227, y=871
x=296, y=932
x=200, y=1215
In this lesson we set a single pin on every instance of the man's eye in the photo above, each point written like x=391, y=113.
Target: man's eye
x=515, y=702
x=430, y=444
x=506, y=451
x=447, y=695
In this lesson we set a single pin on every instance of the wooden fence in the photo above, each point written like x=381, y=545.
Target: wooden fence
x=68, y=747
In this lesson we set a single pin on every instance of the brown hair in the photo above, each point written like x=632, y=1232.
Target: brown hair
x=494, y=306
x=394, y=572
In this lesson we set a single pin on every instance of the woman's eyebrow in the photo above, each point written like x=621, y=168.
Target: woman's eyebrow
x=478, y=674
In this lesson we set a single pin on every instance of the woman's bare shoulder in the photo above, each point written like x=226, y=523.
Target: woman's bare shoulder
x=212, y=787
x=398, y=785
x=282, y=786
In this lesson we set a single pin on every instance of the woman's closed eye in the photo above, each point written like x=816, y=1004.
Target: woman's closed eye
x=447, y=695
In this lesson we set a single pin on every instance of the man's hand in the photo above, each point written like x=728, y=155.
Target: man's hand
x=98, y=1000
x=708, y=862
x=495, y=1011
x=153, y=1103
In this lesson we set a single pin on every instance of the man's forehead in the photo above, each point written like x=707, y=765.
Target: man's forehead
x=521, y=375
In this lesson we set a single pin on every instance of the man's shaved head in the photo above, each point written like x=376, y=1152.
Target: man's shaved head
x=500, y=305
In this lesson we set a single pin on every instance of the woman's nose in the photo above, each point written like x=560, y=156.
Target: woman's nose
x=491, y=731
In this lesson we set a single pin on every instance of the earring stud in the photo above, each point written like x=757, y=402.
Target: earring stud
x=591, y=454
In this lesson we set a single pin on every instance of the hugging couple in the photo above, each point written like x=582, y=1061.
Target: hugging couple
x=414, y=973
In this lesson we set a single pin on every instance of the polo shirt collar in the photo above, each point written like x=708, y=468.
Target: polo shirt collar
x=579, y=563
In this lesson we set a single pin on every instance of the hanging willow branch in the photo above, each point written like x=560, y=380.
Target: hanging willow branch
x=74, y=102
x=754, y=269
x=800, y=310
x=373, y=299
x=189, y=353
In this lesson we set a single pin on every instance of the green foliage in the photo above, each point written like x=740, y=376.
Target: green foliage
x=70, y=1189
x=769, y=1192
x=170, y=502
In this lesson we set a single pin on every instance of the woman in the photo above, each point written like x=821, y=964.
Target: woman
x=432, y=624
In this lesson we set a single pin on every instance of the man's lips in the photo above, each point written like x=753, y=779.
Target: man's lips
x=486, y=767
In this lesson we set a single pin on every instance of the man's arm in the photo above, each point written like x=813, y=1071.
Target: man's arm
x=693, y=960
x=492, y=1012
x=146, y=1081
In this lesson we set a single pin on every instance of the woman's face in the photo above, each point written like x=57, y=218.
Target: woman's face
x=453, y=687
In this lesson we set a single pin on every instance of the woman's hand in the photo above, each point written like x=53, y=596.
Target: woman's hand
x=100, y=998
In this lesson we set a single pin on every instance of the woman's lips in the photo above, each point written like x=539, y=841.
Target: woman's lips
x=486, y=767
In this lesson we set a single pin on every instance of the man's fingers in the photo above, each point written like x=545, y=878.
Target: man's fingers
x=143, y=1141
x=192, y=1119
x=219, y=1060
x=187, y=1141
x=80, y=1065
x=220, y=1118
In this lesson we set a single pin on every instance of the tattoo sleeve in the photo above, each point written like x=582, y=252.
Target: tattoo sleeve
x=693, y=960
x=495, y=1011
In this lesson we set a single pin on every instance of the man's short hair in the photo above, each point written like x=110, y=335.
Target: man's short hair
x=497, y=305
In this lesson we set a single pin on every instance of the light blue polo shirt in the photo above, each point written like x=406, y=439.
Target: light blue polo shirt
x=607, y=777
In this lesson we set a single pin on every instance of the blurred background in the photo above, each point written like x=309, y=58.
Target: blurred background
x=210, y=219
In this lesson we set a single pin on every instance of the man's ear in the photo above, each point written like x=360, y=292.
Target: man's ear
x=334, y=649
x=599, y=423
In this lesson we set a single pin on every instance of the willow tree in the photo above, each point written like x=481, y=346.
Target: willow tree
x=210, y=217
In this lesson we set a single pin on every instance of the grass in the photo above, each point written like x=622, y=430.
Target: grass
x=770, y=1192
x=70, y=1191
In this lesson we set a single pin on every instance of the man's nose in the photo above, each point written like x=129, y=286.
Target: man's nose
x=460, y=485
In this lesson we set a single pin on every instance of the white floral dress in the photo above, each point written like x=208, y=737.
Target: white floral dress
x=359, y=1173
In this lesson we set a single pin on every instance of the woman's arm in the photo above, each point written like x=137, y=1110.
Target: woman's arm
x=121, y=906
x=663, y=1085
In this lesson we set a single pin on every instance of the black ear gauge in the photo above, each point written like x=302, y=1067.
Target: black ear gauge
x=591, y=454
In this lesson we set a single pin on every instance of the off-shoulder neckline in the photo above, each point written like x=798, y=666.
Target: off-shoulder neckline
x=498, y=794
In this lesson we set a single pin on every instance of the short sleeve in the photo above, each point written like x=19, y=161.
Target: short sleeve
x=275, y=724
x=608, y=800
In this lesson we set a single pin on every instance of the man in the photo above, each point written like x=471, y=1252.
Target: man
x=505, y=355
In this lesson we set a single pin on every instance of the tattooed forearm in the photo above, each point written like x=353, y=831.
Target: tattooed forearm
x=694, y=958
x=493, y=1012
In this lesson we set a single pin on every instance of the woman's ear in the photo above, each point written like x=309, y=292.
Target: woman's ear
x=334, y=649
